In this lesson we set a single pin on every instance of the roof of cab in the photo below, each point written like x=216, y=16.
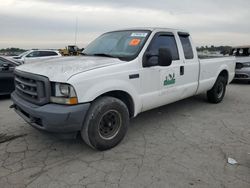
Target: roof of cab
x=154, y=29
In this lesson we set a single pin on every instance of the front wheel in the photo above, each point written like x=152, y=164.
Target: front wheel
x=217, y=93
x=106, y=123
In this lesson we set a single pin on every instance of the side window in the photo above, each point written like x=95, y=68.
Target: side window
x=48, y=53
x=54, y=53
x=187, y=47
x=163, y=41
x=34, y=54
x=43, y=53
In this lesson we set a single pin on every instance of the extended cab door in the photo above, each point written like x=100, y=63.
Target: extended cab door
x=160, y=84
x=189, y=70
x=171, y=77
x=174, y=82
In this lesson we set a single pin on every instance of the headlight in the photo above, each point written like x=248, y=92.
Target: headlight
x=64, y=89
x=63, y=94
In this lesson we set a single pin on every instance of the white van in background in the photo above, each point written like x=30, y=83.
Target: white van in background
x=36, y=55
x=242, y=54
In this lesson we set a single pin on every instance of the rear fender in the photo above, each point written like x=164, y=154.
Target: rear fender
x=222, y=68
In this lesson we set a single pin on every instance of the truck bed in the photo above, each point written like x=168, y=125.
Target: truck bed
x=210, y=69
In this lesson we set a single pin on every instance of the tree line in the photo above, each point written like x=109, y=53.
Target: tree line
x=12, y=50
x=212, y=48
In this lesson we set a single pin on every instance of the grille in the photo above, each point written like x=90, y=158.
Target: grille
x=32, y=87
x=241, y=76
x=239, y=65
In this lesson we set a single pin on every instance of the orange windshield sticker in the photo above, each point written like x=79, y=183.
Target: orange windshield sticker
x=134, y=42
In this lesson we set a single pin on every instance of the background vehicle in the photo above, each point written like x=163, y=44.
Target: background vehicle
x=242, y=54
x=7, y=76
x=36, y=55
x=121, y=74
x=72, y=50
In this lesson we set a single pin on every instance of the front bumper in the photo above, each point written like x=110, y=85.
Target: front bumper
x=51, y=117
x=242, y=74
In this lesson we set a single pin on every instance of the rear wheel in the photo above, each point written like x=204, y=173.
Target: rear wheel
x=106, y=123
x=217, y=93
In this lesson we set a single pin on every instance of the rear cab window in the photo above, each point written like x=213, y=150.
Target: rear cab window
x=186, y=45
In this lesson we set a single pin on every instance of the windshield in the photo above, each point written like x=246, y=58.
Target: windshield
x=23, y=54
x=119, y=44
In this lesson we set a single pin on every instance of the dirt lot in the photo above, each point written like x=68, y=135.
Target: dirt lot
x=185, y=144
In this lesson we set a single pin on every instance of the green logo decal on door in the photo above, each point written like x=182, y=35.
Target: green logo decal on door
x=170, y=79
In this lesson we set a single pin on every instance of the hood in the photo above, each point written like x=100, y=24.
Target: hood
x=62, y=68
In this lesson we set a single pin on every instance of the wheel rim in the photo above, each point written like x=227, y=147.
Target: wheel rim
x=109, y=125
x=220, y=90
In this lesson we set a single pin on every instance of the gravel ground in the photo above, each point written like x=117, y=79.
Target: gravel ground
x=185, y=144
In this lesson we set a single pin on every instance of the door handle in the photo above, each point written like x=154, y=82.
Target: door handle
x=182, y=71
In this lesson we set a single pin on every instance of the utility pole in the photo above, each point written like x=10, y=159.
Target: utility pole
x=76, y=30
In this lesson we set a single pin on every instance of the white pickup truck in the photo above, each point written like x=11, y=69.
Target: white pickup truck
x=121, y=74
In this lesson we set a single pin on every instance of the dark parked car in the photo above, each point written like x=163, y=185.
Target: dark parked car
x=6, y=75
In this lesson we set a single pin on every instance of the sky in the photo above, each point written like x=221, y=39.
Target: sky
x=52, y=24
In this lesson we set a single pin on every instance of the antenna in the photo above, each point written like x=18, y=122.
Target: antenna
x=76, y=29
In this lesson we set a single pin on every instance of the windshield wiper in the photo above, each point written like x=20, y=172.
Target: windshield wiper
x=82, y=53
x=105, y=55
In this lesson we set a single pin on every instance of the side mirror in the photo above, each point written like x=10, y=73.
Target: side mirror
x=165, y=57
x=147, y=60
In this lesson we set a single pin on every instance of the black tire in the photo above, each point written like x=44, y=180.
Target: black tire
x=106, y=123
x=217, y=93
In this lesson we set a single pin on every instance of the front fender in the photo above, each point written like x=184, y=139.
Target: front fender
x=92, y=91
